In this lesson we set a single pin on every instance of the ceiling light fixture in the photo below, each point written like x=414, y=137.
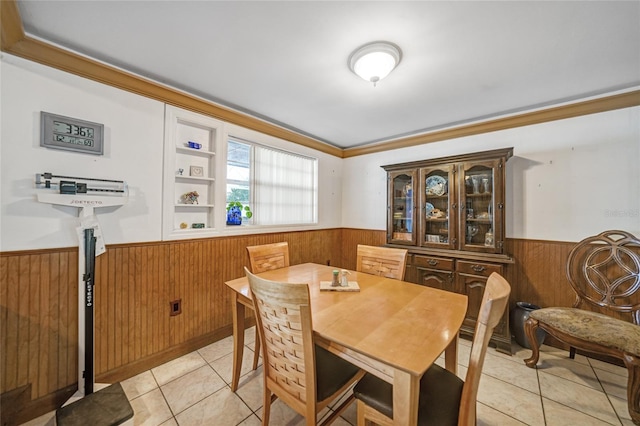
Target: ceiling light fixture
x=374, y=61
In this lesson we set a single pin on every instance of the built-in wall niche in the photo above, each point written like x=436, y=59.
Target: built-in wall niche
x=191, y=143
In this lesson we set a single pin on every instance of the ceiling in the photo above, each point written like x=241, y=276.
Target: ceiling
x=286, y=61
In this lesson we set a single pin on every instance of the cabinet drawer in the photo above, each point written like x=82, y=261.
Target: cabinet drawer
x=478, y=268
x=433, y=262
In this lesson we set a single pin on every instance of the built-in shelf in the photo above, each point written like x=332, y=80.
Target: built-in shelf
x=193, y=151
x=195, y=206
x=193, y=178
x=189, y=170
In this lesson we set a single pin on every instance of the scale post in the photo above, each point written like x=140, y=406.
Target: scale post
x=86, y=194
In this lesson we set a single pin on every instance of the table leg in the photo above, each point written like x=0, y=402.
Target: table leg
x=451, y=356
x=406, y=391
x=238, y=340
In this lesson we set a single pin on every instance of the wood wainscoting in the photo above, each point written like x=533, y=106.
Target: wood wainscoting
x=135, y=284
x=134, y=330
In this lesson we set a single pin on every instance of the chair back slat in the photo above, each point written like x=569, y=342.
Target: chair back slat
x=381, y=261
x=283, y=314
x=267, y=257
x=492, y=308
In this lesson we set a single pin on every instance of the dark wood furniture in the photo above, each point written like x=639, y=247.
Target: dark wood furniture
x=445, y=400
x=604, y=272
x=450, y=214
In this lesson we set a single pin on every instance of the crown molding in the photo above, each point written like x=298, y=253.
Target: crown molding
x=593, y=106
x=16, y=42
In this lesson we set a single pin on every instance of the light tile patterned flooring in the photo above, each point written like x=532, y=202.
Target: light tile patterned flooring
x=194, y=390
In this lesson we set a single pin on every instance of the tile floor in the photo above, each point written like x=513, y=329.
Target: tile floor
x=194, y=390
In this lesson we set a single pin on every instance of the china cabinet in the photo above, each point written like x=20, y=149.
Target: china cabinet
x=191, y=143
x=450, y=214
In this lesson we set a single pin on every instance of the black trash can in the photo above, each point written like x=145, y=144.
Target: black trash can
x=518, y=316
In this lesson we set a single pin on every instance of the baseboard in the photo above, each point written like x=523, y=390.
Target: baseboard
x=23, y=411
x=9, y=401
x=17, y=408
x=143, y=364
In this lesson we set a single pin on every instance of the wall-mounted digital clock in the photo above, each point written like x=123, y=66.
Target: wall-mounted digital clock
x=59, y=132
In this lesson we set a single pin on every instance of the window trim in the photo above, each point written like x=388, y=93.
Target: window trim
x=232, y=134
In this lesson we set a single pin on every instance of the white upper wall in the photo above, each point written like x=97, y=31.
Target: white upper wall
x=133, y=152
x=568, y=179
x=134, y=135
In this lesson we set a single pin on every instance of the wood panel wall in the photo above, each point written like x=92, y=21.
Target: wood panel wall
x=133, y=329
x=38, y=294
x=352, y=237
x=136, y=282
x=538, y=275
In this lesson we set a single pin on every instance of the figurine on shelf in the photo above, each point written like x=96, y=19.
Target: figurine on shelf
x=437, y=213
x=180, y=171
x=488, y=238
x=191, y=197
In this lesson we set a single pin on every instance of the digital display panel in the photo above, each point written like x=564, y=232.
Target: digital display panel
x=72, y=140
x=72, y=129
x=71, y=134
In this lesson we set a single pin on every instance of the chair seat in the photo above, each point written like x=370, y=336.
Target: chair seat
x=439, y=403
x=336, y=372
x=593, y=327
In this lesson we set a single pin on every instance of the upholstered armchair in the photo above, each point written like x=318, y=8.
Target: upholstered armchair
x=604, y=272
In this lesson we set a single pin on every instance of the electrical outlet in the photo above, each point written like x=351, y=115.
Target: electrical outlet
x=175, y=307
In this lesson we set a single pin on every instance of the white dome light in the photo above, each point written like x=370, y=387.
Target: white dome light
x=374, y=61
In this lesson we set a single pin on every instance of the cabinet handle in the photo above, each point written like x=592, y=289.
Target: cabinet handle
x=478, y=268
x=433, y=262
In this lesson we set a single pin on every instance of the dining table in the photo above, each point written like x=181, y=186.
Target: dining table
x=392, y=329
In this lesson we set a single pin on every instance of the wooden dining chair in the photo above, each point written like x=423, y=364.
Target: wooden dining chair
x=444, y=399
x=604, y=272
x=304, y=376
x=382, y=261
x=266, y=257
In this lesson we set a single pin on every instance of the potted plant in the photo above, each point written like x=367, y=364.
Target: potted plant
x=234, y=213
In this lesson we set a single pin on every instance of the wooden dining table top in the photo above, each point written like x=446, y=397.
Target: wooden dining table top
x=403, y=325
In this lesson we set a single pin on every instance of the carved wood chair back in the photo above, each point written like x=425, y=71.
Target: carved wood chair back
x=604, y=271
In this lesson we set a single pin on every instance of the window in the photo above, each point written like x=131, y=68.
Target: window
x=280, y=187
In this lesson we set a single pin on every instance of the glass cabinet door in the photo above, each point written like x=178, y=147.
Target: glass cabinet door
x=402, y=208
x=438, y=210
x=480, y=183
